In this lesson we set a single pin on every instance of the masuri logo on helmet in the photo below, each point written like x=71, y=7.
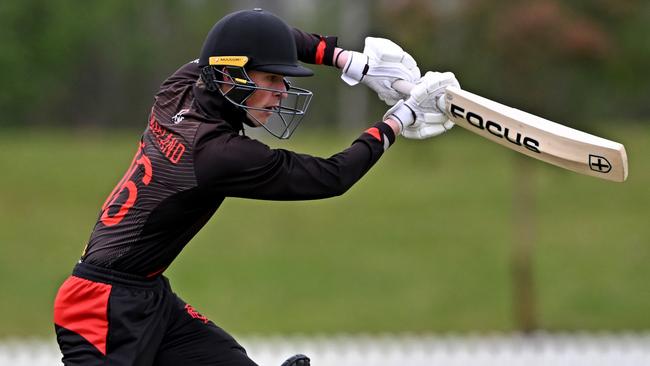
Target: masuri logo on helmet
x=228, y=60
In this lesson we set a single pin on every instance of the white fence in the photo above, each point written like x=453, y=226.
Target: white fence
x=574, y=349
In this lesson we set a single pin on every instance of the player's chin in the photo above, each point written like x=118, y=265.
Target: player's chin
x=260, y=118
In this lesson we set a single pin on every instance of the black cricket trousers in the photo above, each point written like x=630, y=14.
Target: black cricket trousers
x=104, y=317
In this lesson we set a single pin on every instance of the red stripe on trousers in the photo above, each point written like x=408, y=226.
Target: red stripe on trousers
x=81, y=306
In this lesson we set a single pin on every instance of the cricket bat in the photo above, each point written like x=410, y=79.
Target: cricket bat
x=531, y=135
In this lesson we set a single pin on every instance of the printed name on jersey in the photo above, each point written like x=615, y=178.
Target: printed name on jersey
x=167, y=142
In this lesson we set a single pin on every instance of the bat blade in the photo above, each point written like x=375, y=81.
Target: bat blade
x=537, y=137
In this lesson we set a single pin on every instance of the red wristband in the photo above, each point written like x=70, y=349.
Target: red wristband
x=320, y=52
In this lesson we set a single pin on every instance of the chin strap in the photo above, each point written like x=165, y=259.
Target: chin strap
x=242, y=87
x=209, y=78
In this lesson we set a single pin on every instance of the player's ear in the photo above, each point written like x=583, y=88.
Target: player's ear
x=225, y=74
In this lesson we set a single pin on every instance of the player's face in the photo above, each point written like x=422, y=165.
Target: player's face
x=266, y=99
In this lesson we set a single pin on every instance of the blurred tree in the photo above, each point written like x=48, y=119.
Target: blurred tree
x=589, y=53
x=95, y=63
x=80, y=63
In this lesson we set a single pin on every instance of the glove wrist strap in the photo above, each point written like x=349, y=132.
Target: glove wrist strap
x=402, y=113
x=355, y=68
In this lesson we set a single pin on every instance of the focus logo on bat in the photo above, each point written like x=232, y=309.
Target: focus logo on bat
x=599, y=164
x=495, y=128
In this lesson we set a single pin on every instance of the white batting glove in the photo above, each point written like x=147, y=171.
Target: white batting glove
x=381, y=63
x=430, y=120
x=401, y=113
x=420, y=115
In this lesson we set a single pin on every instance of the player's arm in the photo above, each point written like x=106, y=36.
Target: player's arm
x=314, y=48
x=378, y=67
x=238, y=166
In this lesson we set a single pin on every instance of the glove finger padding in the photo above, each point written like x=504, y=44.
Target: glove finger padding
x=410, y=63
x=430, y=121
x=431, y=87
x=421, y=131
x=382, y=49
x=387, y=63
x=379, y=66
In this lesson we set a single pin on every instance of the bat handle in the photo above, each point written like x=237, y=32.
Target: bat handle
x=404, y=87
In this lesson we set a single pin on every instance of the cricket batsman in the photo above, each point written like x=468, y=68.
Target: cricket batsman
x=117, y=308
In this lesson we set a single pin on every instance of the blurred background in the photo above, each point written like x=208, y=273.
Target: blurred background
x=453, y=234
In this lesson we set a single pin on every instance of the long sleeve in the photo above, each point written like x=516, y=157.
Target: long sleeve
x=313, y=48
x=236, y=166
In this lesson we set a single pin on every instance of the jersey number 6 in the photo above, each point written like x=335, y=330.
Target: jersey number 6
x=127, y=184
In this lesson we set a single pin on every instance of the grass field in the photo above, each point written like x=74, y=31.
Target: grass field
x=422, y=243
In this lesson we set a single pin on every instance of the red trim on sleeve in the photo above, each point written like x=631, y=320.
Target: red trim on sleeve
x=320, y=51
x=374, y=132
x=82, y=307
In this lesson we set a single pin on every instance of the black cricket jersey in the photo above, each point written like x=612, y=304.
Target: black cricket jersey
x=192, y=156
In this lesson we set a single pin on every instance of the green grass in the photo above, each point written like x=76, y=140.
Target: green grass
x=422, y=243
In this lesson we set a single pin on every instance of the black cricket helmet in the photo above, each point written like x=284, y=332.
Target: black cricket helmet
x=255, y=40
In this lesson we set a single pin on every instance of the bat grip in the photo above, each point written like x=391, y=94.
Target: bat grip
x=404, y=87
